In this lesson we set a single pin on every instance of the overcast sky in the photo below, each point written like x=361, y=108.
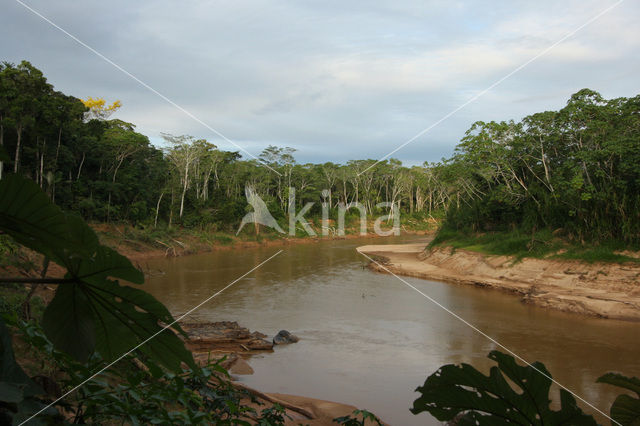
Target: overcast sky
x=336, y=80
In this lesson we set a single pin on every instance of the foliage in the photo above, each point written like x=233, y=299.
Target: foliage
x=353, y=420
x=539, y=244
x=101, y=167
x=576, y=170
x=11, y=256
x=20, y=396
x=90, y=311
x=464, y=396
x=13, y=298
x=134, y=395
x=625, y=409
x=463, y=393
x=92, y=320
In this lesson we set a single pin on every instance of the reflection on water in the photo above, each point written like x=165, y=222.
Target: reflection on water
x=369, y=340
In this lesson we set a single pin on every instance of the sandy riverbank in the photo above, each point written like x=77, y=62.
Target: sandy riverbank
x=605, y=290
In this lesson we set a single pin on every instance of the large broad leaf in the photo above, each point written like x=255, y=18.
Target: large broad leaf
x=120, y=318
x=139, y=316
x=69, y=322
x=163, y=345
x=464, y=393
x=106, y=263
x=625, y=409
x=30, y=218
x=90, y=311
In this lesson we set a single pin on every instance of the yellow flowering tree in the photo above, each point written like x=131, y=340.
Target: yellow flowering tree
x=99, y=109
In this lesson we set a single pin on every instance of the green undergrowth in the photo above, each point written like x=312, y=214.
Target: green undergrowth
x=13, y=298
x=539, y=244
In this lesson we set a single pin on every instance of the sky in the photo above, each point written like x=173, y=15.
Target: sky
x=336, y=80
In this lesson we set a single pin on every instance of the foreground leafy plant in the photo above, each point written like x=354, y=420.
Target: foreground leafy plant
x=20, y=396
x=91, y=312
x=134, y=395
x=93, y=319
x=462, y=393
x=625, y=409
x=353, y=420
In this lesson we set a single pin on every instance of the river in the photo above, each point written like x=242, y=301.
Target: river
x=369, y=340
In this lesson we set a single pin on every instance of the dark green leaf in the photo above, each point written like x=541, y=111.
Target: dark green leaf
x=28, y=407
x=27, y=215
x=135, y=316
x=113, y=320
x=11, y=392
x=91, y=312
x=69, y=322
x=630, y=383
x=461, y=390
x=106, y=263
x=10, y=371
x=625, y=409
x=16, y=387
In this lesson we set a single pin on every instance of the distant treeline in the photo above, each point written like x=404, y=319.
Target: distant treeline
x=575, y=169
x=107, y=171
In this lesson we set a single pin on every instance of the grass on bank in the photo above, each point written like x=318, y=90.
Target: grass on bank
x=539, y=244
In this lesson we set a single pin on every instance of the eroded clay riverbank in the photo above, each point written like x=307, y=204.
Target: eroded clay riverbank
x=600, y=289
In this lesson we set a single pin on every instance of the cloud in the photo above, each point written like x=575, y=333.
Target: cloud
x=336, y=80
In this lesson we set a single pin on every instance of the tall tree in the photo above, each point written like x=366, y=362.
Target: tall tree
x=183, y=153
x=26, y=89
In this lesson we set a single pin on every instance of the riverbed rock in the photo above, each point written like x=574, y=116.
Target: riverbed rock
x=241, y=367
x=233, y=363
x=224, y=337
x=284, y=337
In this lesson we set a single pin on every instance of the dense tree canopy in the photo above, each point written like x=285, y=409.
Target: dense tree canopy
x=577, y=169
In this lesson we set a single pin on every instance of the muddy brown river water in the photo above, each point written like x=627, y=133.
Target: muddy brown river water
x=369, y=340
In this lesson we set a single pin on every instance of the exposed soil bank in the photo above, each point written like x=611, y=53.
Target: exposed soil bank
x=604, y=290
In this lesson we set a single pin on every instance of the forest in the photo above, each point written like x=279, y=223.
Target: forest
x=575, y=171
x=105, y=170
